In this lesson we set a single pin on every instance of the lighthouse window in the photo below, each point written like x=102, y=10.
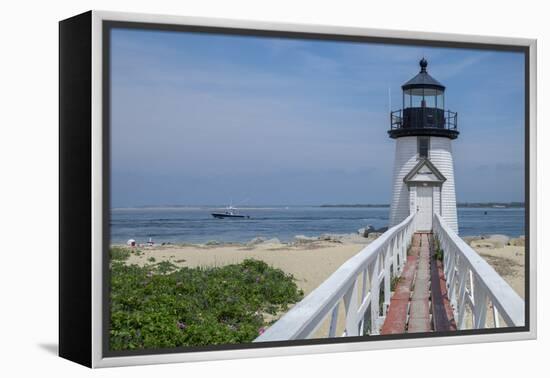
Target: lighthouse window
x=423, y=147
x=429, y=101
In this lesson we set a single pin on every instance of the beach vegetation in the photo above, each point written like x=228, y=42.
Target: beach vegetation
x=438, y=255
x=164, y=267
x=162, y=306
x=393, y=283
x=119, y=253
x=438, y=252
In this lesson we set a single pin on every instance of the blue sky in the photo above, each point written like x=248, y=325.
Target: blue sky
x=205, y=119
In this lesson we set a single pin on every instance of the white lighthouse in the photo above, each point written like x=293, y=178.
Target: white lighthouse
x=423, y=175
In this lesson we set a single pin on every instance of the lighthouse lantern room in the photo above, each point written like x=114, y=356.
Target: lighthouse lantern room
x=423, y=176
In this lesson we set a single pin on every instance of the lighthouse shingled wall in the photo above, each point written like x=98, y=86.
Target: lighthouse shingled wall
x=441, y=156
x=405, y=159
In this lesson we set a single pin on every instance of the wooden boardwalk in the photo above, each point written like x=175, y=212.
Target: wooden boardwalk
x=420, y=302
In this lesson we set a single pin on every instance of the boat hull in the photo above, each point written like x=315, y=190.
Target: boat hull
x=223, y=216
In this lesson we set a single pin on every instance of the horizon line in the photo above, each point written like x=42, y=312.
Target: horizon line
x=459, y=204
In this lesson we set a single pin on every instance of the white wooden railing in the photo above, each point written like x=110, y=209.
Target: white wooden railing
x=355, y=287
x=474, y=287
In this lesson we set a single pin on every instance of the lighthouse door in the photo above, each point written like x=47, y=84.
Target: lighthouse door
x=424, y=208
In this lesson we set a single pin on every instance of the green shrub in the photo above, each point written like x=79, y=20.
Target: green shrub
x=438, y=254
x=119, y=253
x=164, y=267
x=162, y=306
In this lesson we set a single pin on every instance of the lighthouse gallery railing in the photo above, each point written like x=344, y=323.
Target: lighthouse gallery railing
x=356, y=288
x=474, y=287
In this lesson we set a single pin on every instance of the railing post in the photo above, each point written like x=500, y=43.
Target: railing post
x=452, y=277
x=364, y=285
x=396, y=258
x=460, y=311
x=471, y=278
x=350, y=303
x=447, y=258
x=375, y=295
x=408, y=240
x=387, y=279
x=496, y=319
x=396, y=248
x=480, y=305
x=333, y=321
x=403, y=249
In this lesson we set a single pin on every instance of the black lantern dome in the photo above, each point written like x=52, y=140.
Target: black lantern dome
x=423, y=111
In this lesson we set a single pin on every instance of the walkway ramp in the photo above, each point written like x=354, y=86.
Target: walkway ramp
x=420, y=302
x=396, y=285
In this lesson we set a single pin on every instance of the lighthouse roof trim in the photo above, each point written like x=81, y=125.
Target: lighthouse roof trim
x=423, y=79
x=429, y=174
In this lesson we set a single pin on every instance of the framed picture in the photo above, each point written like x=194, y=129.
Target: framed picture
x=232, y=189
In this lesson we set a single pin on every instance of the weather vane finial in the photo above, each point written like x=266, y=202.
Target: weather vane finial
x=423, y=64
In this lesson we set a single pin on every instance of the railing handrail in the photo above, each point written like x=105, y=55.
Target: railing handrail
x=304, y=318
x=511, y=305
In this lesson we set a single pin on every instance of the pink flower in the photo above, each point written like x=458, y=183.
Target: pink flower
x=181, y=325
x=261, y=330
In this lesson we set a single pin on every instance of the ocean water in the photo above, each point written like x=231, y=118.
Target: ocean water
x=196, y=225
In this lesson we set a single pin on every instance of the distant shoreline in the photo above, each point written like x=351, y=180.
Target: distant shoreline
x=496, y=205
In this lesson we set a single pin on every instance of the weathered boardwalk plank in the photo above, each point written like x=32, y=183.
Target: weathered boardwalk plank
x=396, y=318
x=419, y=319
x=420, y=302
